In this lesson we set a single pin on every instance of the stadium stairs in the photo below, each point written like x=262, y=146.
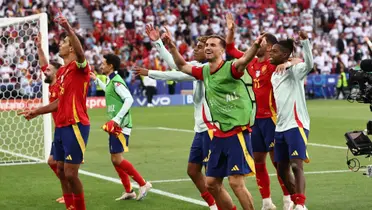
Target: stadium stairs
x=83, y=17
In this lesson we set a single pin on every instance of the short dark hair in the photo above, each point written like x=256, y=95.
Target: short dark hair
x=222, y=40
x=202, y=39
x=271, y=39
x=55, y=64
x=287, y=45
x=81, y=39
x=113, y=60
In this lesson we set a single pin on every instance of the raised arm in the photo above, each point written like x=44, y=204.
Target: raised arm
x=302, y=69
x=167, y=75
x=177, y=57
x=242, y=62
x=230, y=45
x=75, y=43
x=154, y=35
x=40, y=52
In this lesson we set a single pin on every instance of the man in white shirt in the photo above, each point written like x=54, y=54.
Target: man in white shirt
x=293, y=122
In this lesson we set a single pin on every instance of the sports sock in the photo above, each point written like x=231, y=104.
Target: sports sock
x=69, y=201
x=234, y=208
x=54, y=168
x=131, y=171
x=263, y=180
x=300, y=199
x=284, y=188
x=124, y=179
x=208, y=198
x=79, y=202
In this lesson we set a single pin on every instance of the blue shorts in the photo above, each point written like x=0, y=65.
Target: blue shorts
x=56, y=131
x=200, y=148
x=263, y=133
x=291, y=144
x=118, y=144
x=70, y=143
x=230, y=156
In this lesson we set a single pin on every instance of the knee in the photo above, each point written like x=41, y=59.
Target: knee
x=60, y=171
x=192, y=171
x=51, y=161
x=236, y=182
x=71, y=174
x=116, y=159
x=296, y=167
x=212, y=186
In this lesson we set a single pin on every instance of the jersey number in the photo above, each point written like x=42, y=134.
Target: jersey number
x=256, y=83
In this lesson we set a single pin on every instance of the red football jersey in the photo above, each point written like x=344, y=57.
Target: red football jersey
x=261, y=74
x=74, y=83
x=53, y=95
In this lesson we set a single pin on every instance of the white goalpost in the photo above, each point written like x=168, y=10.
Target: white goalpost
x=22, y=87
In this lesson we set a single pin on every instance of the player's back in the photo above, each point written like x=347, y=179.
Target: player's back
x=261, y=73
x=74, y=83
x=290, y=99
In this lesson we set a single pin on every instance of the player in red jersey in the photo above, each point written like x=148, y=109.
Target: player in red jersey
x=72, y=121
x=263, y=131
x=50, y=71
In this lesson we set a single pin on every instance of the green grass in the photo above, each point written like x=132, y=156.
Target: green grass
x=162, y=155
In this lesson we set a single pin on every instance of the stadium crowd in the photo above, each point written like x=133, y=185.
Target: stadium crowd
x=337, y=30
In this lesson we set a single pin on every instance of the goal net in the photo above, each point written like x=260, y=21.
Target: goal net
x=22, y=87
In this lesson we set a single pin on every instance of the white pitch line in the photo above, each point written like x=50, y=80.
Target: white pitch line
x=156, y=191
x=20, y=155
x=191, y=131
x=310, y=172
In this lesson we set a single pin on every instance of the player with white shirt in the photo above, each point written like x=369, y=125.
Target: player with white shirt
x=200, y=145
x=293, y=121
x=118, y=102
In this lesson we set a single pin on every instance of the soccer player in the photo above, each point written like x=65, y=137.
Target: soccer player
x=200, y=145
x=118, y=102
x=50, y=71
x=293, y=123
x=227, y=93
x=263, y=131
x=72, y=121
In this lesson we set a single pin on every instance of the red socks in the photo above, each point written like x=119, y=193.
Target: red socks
x=284, y=189
x=54, y=168
x=208, y=198
x=263, y=180
x=124, y=179
x=131, y=171
x=69, y=201
x=79, y=202
x=234, y=208
x=298, y=199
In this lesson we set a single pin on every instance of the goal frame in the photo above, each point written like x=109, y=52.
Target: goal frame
x=47, y=119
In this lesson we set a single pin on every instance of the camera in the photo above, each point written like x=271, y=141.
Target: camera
x=363, y=80
x=358, y=142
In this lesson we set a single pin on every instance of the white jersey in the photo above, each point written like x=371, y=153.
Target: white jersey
x=198, y=86
x=289, y=93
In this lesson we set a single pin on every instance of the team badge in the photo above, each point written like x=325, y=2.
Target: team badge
x=258, y=72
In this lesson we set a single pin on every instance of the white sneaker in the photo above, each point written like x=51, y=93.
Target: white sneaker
x=267, y=204
x=142, y=192
x=213, y=207
x=127, y=196
x=288, y=203
x=150, y=105
x=300, y=207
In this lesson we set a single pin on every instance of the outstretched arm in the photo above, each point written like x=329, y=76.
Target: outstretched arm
x=177, y=57
x=97, y=81
x=52, y=107
x=167, y=75
x=154, y=35
x=242, y=62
